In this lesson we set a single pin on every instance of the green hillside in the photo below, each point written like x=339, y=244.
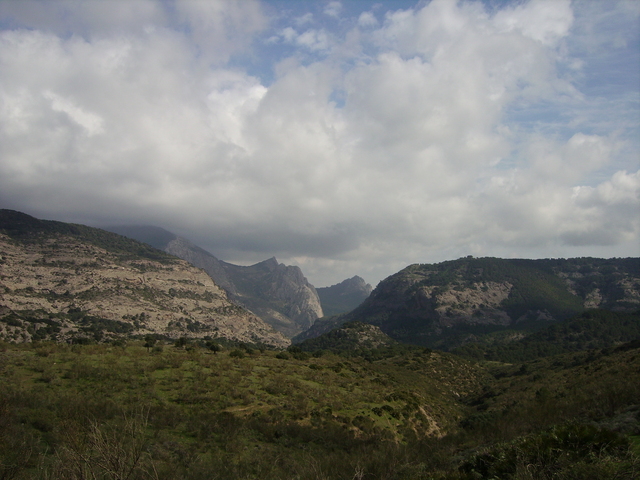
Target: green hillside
x=594, y=329
x=170, y=412
x=544, y=382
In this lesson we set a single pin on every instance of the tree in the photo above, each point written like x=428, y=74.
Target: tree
x=150, y=342
x=213, y=346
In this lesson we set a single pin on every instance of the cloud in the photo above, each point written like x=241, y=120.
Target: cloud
x=367, y=19
x=89, y=18
x=545, y=21
x=443, y=130
x=311, y=39
x=333, y=9
x=91, y=123
x=220, y=28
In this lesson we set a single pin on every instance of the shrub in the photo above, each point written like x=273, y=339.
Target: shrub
x=236, y=353
x=549, y=454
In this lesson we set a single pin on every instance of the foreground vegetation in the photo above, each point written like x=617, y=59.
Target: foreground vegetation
x=184, y=412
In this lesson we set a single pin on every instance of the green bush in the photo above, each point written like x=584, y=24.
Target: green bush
x=552, y=453
x=237, y=353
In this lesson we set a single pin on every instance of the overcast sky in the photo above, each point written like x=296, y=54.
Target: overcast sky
x=348, y=138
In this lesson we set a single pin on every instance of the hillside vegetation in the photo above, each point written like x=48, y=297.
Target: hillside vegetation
x=591, y=330
x=168, y=412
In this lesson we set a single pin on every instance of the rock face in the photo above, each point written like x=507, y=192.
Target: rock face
x=443, y=304
x=62, y=281
x=278, y=294
x=344, y=296
x=200, y=258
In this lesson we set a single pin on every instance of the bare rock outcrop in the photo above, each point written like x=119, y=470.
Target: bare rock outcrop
x=62, y=281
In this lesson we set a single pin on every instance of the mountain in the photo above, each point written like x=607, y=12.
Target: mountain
x=448, y=304
x=344, y=296
x=72, y=282
x=278, y=294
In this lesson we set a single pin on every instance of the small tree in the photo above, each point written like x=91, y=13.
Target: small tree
x=181, y=342
x=213, y=346
x=149, y=342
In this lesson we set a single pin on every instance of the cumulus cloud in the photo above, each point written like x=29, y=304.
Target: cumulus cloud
x=443, y=130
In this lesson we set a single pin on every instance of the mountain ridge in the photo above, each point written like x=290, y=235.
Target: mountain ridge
x=71, y=282
x=444, y=305
x=278, y=294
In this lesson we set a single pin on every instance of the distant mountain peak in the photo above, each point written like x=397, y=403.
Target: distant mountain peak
x=344, y=296
x=269, y=264
x=441, y=305
x=278, y=294
x=352, y=284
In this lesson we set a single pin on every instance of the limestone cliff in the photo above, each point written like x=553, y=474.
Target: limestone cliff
x=62, y=281
x=278, y=294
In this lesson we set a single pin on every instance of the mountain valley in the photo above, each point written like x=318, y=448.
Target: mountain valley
x=121, y=360
x=278, y=294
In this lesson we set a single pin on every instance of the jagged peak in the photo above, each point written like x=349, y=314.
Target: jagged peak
x=269, y=264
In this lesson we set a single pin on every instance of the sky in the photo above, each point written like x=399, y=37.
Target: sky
x=345, y=137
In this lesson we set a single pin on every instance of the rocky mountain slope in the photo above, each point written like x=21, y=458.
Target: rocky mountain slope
x=344, y=296
x=450, y=303
x=277, y=293
x=72, y=282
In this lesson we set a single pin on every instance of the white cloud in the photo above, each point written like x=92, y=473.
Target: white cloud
x=442, y=131
x=333, y=9
x=311, y=39
x=304, y=19
x=317, y=40
x=89, y=18
x=367, y=19
x=220, y=28
x=546, y=21
x=91, y=123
